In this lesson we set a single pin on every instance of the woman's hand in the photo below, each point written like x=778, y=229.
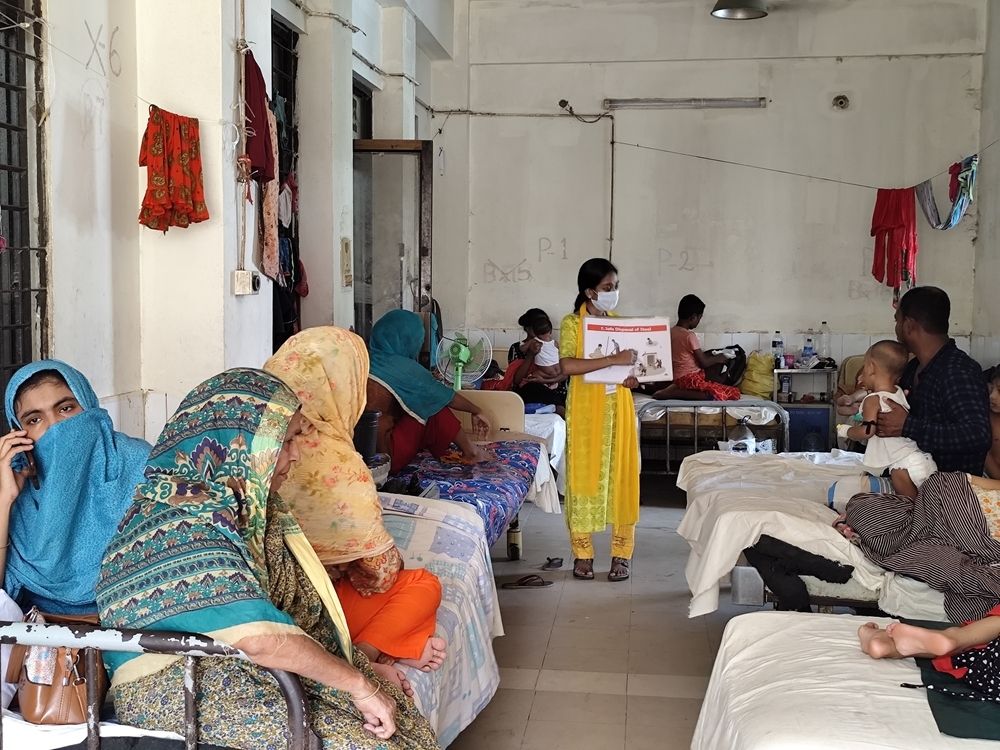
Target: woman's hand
x=481, y=426
x=379, y=711
x=530, y=348
x=631, y=382
x=840, y=524
x=11, y=481
x=626, y=357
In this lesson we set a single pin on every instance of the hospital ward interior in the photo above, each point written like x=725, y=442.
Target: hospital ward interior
x=500, y=374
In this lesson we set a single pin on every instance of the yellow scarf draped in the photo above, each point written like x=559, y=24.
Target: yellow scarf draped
x=586, y=435
x=329, y=489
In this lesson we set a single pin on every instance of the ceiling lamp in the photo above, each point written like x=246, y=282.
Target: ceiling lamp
x=740, y=10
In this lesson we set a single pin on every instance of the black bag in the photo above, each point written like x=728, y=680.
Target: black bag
x=730, y=373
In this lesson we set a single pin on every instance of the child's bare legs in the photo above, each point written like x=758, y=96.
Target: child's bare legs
x=902, y=484
x=876, y=642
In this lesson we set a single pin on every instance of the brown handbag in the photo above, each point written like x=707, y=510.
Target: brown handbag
x=61, y=699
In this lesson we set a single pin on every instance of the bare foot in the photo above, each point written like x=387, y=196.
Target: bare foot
x=876, y=642
x=435, y=652
x=393, y=675
x=477, y=455
x=910, y=640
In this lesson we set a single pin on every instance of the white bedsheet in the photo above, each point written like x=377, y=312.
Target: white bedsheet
x=790, y=681
x=18, y=734
x=733, y=499
x=650, y=409
x=552, y=429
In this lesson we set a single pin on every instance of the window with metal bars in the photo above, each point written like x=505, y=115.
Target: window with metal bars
x=23, y=222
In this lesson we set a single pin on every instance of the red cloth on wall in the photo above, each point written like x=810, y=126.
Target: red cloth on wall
x=171, y=153
x=894, y=227
x=259, y=146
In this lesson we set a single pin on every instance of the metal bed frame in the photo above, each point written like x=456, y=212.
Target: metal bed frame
x=92, y=640
x=675, y=405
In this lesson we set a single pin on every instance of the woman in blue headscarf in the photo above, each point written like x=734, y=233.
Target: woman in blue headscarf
x=66, y=479
x=414, y=406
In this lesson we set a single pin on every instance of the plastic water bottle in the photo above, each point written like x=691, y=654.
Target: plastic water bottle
x=824, y=340
x=808, y=350
x=778, y=350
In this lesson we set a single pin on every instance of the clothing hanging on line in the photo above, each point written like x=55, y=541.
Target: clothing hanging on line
x=171, y=153
x=285, y=206
x=894, y=227
x=964, y=180
x=269, y=209
x=259, y=146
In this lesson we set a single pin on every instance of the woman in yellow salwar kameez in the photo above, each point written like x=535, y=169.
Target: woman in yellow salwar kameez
x=602, y=445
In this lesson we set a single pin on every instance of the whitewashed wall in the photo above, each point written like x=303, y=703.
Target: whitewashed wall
x=524, y=200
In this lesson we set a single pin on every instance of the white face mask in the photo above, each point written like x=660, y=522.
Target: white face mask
x=606, y=301
x=548, y=355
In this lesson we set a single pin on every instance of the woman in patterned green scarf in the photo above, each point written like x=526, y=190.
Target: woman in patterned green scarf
x=207, y=547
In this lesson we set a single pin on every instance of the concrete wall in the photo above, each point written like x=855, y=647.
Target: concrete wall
x=986, y=323
x=524, y=199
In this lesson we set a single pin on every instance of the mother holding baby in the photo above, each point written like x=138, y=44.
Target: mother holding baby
x=602, y=452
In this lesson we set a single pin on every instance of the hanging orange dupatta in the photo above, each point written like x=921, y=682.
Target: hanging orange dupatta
x=587, y=438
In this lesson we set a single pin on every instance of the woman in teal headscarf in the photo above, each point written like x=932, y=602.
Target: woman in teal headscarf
x=414, y=406
x=208, y=547
x=58, y=512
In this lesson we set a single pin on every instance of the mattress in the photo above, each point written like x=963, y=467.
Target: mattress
x=448, y=539
x=791, y=681
x=733, y=499
x=651, y=410
x=495, y=489
x=551, y=428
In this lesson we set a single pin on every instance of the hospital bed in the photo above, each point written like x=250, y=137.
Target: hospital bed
x=787, y=680
x=15, y=733
x=671, y=430
x=733, y=499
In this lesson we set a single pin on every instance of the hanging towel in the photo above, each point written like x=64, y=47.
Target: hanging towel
x=964, y=178
x=260, y=148
x=171, y=153
x=270, y=263
x=894, y=227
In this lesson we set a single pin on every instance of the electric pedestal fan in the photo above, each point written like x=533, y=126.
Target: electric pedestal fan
x=463, y=356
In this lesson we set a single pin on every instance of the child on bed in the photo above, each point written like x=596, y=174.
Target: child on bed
x=688, y=358
x=970, y=652
x=908, y=465
x=993, y=457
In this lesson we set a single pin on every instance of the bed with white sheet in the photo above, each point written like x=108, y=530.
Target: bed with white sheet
x=551, y=429
x=672, y=429
x=733, y=499
x=793, y=681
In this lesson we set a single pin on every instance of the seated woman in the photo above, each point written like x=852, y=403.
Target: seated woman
x=208, y=547
x=414, y=405
x=391, y=612
x=66, y=479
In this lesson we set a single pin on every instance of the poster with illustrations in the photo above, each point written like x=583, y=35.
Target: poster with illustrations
x=650, y=337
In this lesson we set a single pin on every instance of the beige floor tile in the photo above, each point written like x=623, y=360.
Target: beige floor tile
x=644, y=737
x=556, y=735
x=513, y=678
x=662, y=712
x=667, y=686
x=528, y=613
x=573, y=708
x=570, y=681
x=593, y=615
x=598, y=658
x=508, y=738
x=585, y=638
x=678, y=661
x=509, y=708
x=522, y=646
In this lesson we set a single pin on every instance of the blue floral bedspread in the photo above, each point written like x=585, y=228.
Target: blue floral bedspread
x=495, y=489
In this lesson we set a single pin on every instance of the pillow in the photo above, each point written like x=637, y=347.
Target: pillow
x=843, y=490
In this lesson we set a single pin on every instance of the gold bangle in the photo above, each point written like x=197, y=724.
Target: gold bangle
x=375, y=692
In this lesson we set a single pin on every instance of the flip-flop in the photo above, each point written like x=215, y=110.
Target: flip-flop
x=527, y=582
x=552, y=563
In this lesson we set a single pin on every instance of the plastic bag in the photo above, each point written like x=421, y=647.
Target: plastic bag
x=759, y=378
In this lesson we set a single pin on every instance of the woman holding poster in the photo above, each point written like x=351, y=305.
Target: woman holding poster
x=602, y=455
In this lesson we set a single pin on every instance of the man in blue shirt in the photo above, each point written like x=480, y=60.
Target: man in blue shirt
x=949, y=402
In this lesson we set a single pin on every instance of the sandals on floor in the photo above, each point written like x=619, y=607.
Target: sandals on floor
x=583, y=569
x=527, y=582
x=619, y=569
x=552, y=563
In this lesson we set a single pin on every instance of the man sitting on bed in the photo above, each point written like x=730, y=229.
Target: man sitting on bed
x=689, y=360
x=949, y=413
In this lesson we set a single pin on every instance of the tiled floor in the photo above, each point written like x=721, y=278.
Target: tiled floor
x=595, y=665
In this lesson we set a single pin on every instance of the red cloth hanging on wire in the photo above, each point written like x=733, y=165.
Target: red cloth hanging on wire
x=171, y=153
x=259, y=146
x=894, y=227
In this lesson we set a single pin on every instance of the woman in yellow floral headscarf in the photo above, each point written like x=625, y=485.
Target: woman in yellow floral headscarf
x=391, y=612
